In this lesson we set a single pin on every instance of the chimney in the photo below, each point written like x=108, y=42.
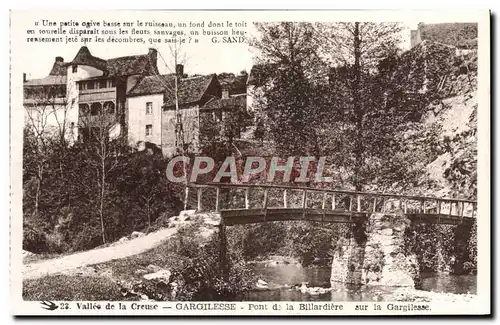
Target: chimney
x=59, y=59
x=225, y=92
x=153, y=57
x=179, y=70
x=24, y=77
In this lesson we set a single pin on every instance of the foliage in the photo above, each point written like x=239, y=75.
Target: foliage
x=68, y=207
x=71, y=288
x=463, y=35
x=309, y=242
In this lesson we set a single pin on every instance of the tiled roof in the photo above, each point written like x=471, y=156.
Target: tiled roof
x=131, y=65
x=227, y=104
x=84, y=57
x=144, y=64
x=190, y=90
x=49, y=80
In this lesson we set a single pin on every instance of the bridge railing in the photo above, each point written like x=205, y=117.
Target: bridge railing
x=332, y=200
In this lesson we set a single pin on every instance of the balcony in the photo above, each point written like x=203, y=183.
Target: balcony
x=92, y=95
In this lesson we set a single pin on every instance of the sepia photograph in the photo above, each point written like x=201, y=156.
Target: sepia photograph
x=236, y=162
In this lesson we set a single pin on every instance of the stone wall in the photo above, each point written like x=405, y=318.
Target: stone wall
x=385, y=260
x=375, y=254
x=349, y=255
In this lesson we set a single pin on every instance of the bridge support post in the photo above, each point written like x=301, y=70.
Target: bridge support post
x=349, y=255
x=376, y=254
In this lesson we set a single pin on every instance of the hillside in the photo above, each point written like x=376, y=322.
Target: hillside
x=440, y=149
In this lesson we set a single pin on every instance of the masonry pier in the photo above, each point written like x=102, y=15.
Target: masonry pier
x=373, y=253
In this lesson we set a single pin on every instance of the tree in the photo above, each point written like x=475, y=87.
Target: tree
x=46, y=126
x=289, y=104
x=358, y=48
x=104, y=144
x=178, y=58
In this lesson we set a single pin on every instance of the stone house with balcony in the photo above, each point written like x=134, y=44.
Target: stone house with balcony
x=100, y=88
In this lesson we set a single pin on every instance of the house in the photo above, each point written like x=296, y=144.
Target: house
x=100, y=87
x=152, y=107
x=87, y=93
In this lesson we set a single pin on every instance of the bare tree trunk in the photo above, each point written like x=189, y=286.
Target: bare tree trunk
x=358, y=111
x=38, y=189
x=148, y=211
x=101, y=207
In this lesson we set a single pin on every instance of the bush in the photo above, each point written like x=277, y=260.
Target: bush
x=34, y=239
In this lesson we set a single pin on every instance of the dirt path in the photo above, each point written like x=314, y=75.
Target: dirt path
x=95, y=256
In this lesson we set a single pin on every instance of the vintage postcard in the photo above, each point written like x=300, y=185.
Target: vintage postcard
x=250, y=163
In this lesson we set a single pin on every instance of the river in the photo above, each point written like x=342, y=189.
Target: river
x=281, y=280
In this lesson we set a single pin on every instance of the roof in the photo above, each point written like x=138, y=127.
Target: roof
x=47, y=81
x=191, y=89
x=84, y=57
x=144, y=64
x=227, y=104
x=131, y=65
x=152, y=85
x=40, y=102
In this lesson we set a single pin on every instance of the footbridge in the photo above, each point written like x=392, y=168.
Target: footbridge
x=254, y=203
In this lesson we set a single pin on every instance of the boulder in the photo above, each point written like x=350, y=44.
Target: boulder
x=162, y=276
x=137, y=234
x=187, y=213
x=152, y=268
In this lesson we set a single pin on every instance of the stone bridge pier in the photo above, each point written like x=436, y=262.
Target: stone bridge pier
x=373, y=252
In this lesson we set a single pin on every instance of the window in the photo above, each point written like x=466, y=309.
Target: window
x=75, y=68
x=90, y=85
x=109, y=107
x=149, y=130
x=82, y=85
x=84, y=109
x=149, y=108
x=102, y=84
x=110, y=83
x=95, y=109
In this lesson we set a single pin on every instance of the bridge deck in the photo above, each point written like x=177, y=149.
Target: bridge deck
x=245, y=216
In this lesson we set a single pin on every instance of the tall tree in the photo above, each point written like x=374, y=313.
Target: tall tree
x=104, y=144
x=357, y=49
x=289, y=105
